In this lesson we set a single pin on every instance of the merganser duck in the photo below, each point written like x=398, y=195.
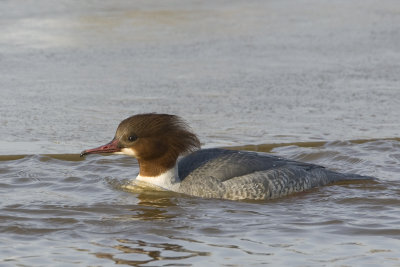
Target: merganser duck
x=157, y=140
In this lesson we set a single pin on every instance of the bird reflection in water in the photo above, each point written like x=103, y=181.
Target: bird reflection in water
x=143, y=252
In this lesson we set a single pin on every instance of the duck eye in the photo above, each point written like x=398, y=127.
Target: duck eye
x=132, y=138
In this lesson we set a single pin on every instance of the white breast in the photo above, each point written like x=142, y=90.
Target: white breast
x=168, y=180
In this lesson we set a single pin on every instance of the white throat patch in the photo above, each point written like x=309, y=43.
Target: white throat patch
x=127, y=151
x=168, y=180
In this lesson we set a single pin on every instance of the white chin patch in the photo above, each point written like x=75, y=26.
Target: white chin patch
x=127, y=151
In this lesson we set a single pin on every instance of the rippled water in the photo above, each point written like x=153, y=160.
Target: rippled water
x=62, y=210
x=286, y=77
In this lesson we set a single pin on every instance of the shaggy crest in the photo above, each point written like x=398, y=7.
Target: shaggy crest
x=161, y=138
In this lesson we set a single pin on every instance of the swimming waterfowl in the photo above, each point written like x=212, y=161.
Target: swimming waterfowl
x=158, y=140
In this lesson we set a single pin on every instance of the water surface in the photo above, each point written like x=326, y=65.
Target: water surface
x=315, y=81
x=62, y=210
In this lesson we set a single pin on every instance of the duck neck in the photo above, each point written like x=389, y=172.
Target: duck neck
x=168, y=179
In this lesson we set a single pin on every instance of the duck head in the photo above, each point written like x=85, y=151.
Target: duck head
x=155, y=140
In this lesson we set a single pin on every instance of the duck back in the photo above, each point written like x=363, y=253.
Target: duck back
x=229, y=174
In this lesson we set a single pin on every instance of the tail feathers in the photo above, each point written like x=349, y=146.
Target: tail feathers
x=352, y=177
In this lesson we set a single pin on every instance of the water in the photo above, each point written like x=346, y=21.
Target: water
x=283, y=77
x=62, y=210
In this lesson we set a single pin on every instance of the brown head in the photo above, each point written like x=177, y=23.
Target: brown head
x=155, y=140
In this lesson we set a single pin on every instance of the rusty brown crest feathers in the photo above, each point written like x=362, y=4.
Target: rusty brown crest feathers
x=169, y=132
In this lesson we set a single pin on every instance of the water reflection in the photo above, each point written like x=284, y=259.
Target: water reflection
x=138, y=252
x=151, y=204
x=154, y=207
